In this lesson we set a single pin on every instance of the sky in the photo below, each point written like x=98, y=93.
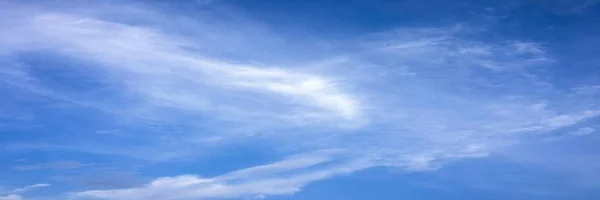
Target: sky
x=286, y=100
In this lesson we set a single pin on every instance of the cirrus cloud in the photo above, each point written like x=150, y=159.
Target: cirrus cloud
x=412, y=98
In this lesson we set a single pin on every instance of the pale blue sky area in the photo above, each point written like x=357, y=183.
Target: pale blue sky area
x=285, y=100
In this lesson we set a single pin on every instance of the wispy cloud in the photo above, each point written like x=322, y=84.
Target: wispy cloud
x=28, y=188
x=57, y=165
x=181, y=79
x=413, y=98
x=15, y=194
x=583, y=131
x=587, y=89
x=281, y=178
x=150, y=75
x=11, y=197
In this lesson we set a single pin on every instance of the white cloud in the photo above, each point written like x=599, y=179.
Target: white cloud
x=559, y=121
x=150, y=70
x=566, y=120
x=583, y=131
x=56, y=165
x=587, y=89
x=159, y=69
x=153, y=76
x=411, y=98
x=15, y=193
x=281, y=178
x=28, y=188
x=528, y=47
x=11, y=197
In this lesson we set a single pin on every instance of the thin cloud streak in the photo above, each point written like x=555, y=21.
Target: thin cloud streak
x=11, y=197
x=281, y=178
x=57, y=165
x=28, y=188
x=15, y=194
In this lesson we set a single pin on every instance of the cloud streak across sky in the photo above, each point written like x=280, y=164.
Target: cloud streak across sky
x=183, y=87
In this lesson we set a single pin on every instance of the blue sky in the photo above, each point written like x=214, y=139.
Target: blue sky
x=235, y=99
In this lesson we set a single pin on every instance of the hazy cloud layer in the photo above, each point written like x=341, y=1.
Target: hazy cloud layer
x=413, y=98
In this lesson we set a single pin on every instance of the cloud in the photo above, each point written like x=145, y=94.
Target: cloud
x=412, y=98
x=560, y=157
x=560, y=121
x=181, y=79
x=28, y=188
x=11, y=197
x=281, y=178
x=152, y=77
x=57, y=165
x=15, y=193
x=587, y=89
x=583, y=131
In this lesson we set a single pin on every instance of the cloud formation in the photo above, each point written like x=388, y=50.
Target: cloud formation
x=280, y=178
x=57, y=165
x=412, y=98
x=11, y=197
x=15, y=194
x=28, y=188
x=583, y=131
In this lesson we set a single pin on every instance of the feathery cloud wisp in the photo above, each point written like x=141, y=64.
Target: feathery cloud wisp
x=28, y=188
x=11, y=197
x=413, y=98
x=278, y=178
